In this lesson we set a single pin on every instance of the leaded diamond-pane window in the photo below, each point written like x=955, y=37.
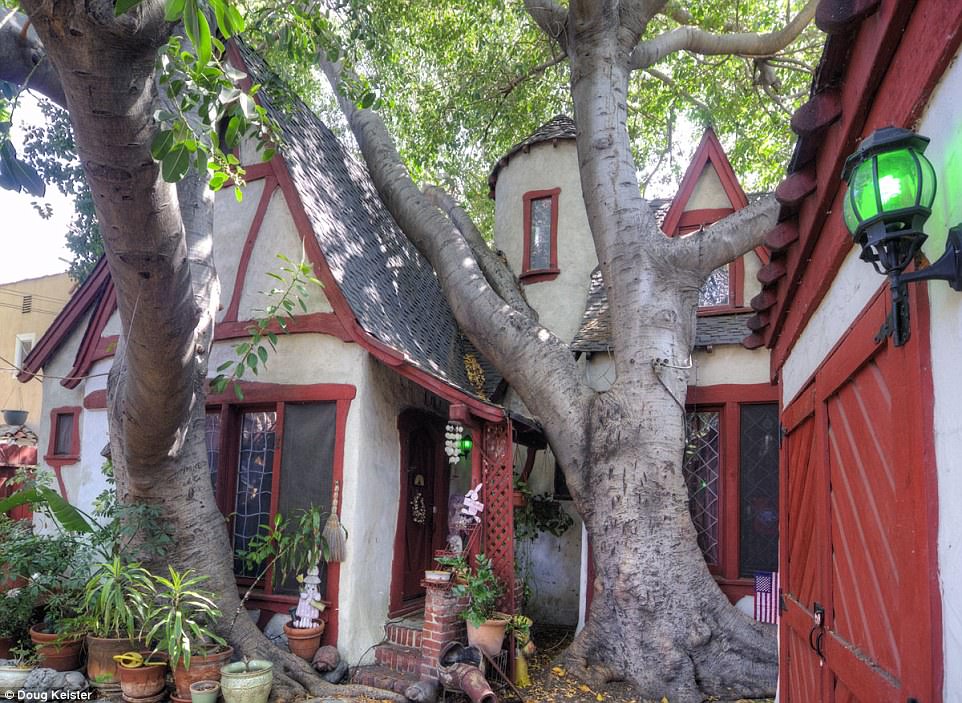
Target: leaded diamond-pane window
x=716, y=290
x=255, y=474
x=701, y=470
x=758, y=483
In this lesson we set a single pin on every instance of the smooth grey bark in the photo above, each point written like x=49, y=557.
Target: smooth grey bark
x=22, y=57
x=658, y=617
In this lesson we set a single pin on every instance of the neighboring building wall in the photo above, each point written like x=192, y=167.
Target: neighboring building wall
x=560, y=302
x=943, y=124
x=26, y=310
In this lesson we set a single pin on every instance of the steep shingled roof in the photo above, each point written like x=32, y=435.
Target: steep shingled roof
x=558, y=127
x=390, y=287
x=595, y=332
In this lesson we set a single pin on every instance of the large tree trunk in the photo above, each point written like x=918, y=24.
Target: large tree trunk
x=157, y=240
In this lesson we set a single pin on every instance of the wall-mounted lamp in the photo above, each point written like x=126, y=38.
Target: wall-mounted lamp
x=891, y=187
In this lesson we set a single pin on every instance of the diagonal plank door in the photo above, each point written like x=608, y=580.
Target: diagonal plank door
x=856, y=537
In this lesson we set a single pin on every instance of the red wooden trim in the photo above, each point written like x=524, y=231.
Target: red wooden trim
x=709, y=150
x=701, y=218
x=16, y=455
x=270, y=185
x=334, y=568
x=258, y=171
x=528, y=274
x=799, y=409
x=89, y=293
x=96, y=400
x=589, y=579
x=732, y=393
x=275, y=481
x=90, y=344
x=317, y=322
x=260, y=393
x=729, y=492
x=106, y=348
x=889, y=79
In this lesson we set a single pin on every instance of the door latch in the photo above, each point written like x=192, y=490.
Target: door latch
x=817, y=633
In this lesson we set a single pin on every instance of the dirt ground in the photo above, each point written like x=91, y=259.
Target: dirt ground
x=551, y=683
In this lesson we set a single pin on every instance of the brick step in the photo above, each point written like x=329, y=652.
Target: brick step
x=406, y=660
x=404, y=635
x=378, y=676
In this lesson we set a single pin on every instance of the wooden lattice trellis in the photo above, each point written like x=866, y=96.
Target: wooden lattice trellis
x=498, y=515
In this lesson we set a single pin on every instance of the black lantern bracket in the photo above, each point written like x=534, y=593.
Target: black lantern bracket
x=947, y=268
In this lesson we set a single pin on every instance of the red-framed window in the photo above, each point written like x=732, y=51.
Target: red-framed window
x=723, y=292
x=540, y=257
x=64, y=446
x=279, y=450
x=731, y=470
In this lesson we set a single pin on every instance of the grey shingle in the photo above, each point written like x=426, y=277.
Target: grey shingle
x=389, y=286
x=595, y=333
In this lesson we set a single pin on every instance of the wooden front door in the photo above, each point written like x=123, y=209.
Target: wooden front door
x=422, y=514
x=856, y=533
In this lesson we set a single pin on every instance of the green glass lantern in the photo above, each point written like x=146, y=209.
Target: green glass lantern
x=465, y=445
x=891, y=187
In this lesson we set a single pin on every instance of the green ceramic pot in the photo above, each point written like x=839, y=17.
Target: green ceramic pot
x=204, y=691
x=251, y=683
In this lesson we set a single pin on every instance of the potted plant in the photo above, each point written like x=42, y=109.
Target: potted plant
x=486, y=627
x=456, y=564
x=179, y=622
x=14, y=674
x=247, y=681
x=114, y=606
x=295, y=549
x=141, y=674
x=16, y=607
x=17, y=418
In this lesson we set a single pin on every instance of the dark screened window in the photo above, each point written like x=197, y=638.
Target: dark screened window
x=701, y=470
x=255, y=475
x=307, y=466
x=758, y=488
x=540, y=234
x=63, y=434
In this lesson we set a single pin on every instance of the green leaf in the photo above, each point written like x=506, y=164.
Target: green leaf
x=238, y=392
x=174, y=10
x=17, y=499
x=262, y=353
x=235, y=20
x=367, y=100
x=67, y=515
x=218, y=180
x=123, y=5
x=175, y=163
x=233, y=128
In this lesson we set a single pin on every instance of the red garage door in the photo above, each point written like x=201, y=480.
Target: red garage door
x=856, y=526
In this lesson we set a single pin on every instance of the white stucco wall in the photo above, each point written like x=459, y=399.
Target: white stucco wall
x=551, y=565
x=232, y=222
x=559, y=302
x=709, y=192
x=943, y=124
x=278, y=235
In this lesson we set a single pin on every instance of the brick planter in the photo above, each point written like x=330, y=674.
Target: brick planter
x=442, y=624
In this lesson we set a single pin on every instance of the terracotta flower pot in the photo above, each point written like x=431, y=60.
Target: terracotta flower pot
x=518, y=499
x=143, y=681
x=304, y=641
x=488, y=637
x=202, y=668
x=60, y=656
x=5, y=644
x=101, y=666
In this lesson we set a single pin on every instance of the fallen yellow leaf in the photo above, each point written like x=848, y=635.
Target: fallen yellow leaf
x=558, y=671
x=664, y=699
x=599, y=696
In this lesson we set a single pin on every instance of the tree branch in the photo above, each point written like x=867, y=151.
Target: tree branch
x=678, y=13
x=650, y=52
x=21, y=52
x=538, y=365
x=496, y=270
x=532, y=72
x=552, y=18
x=728, y=238
x=670, y=82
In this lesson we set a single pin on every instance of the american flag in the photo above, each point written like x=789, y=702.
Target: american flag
x=766, y=597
